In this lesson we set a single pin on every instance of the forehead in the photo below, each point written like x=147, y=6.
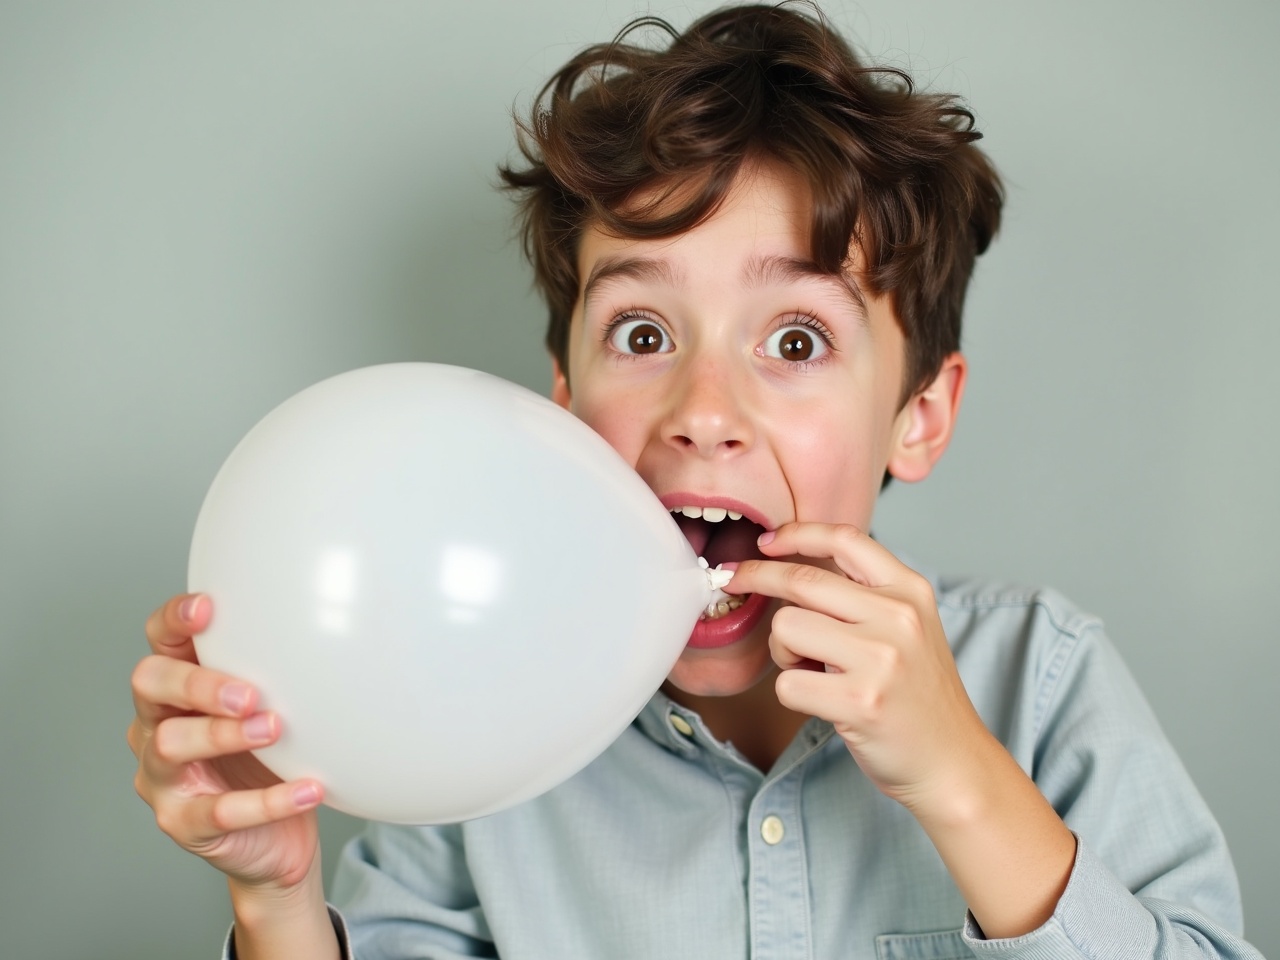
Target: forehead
x=762, y=227
x=751, y=256
x=758, y=271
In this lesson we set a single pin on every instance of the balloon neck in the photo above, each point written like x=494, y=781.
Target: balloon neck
x=716, y=579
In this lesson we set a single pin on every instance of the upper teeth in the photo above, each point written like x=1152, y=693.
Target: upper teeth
x=713, y=514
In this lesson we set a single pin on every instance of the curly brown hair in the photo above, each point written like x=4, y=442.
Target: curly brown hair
x=889, y=167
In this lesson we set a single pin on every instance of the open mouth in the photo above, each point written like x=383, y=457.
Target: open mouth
x=719, y=535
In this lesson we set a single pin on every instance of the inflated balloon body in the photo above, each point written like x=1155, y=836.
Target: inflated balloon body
x=453, y=592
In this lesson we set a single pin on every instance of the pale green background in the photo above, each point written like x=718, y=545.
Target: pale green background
x=204, y=208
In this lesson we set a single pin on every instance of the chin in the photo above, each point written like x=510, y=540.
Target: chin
x=721, y=672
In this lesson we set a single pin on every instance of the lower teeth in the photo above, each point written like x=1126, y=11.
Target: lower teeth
x=715, y=611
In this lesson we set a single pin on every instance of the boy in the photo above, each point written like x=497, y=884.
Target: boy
x=755, y=252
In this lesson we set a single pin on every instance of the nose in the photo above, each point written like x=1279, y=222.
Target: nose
x=708, y=411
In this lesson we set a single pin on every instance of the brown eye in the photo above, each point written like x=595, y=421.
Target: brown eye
x=639, y=337
x=796, y=344
x=645, y=338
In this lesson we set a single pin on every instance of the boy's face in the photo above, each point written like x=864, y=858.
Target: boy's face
x=731, y=374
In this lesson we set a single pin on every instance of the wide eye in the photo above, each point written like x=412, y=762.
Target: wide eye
x=639, y=336
x=797, y=343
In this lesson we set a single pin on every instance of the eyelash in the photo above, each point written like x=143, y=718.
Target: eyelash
x=800, y=318
x=626, y=317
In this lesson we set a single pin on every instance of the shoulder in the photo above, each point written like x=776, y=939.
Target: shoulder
x=986, y=618
x=971, y=598
x=1024, y=652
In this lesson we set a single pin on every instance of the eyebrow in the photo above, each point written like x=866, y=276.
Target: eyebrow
x=650, y=269
x=759, y=272
x=762, y=271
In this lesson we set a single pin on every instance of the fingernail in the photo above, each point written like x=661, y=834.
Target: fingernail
x=766, y=538
x=306, y=795
x=187, y=609
x=234, y=697
x=258, y=728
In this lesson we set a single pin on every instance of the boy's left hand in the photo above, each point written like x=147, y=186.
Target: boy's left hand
x=864, y=649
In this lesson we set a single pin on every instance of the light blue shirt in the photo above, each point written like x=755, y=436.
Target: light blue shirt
x=672, y=845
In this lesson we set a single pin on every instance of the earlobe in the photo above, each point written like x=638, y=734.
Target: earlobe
x=925, y=425
x=559, y=385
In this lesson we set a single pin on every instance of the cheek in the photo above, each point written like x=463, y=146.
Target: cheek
x=833, y=466
x=614, y=422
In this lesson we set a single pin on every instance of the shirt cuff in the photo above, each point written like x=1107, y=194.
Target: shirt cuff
x=1097, y=918
x=339, y=928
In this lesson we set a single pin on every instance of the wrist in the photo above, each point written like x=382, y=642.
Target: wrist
x=963, y=789
x=283, y=921
x=1005, y=847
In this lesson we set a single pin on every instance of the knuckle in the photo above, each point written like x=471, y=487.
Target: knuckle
x=921, y=590
x=142, y=786
x=888, y=659
x=220, y=815
x=848, y=533
x=168, y=819
x=142, y=678
x=906, y=616
x=133, y=737
x=784, y=620
x=165, y=741
x=871, y=707
x=171, y=615
x=802, y=574
x=785, y=688
x=154, y=626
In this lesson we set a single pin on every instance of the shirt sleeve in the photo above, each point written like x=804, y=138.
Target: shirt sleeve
x=1152, y=876
x=339, y=927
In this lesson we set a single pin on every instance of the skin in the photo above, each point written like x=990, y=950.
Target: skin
x=718, y=411
x=674, y=359
x=677, y=357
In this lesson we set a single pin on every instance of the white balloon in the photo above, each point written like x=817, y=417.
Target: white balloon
x=454, y=593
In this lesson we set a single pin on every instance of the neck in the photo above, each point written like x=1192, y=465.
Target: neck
x=753, y=721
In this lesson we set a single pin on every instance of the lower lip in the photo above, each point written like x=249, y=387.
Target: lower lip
x=730, y=628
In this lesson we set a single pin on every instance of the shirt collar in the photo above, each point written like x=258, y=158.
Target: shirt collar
x=681, y=730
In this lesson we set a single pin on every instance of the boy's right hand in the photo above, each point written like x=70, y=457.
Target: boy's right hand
x=192, y=733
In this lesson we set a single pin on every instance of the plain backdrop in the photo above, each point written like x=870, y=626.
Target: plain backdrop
x=206, y=207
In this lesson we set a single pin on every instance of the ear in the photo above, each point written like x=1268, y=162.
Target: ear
x=559, y=385
x=925, y=424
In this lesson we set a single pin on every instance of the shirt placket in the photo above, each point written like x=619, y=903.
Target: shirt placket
x=778, y=884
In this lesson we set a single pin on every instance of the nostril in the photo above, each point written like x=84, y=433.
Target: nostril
x=689, y=443
x=708, y=432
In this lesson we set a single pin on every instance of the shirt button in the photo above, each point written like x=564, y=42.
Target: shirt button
x=681, y=725
x=772, y=830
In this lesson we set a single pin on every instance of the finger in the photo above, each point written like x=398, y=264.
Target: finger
x=182, y=740
x=813, y=692
x=804, y=585
x=164, y=687
x=855, y=553
x=805, y=639
x=216, y=815
x=170, y=628
x=137, y=736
